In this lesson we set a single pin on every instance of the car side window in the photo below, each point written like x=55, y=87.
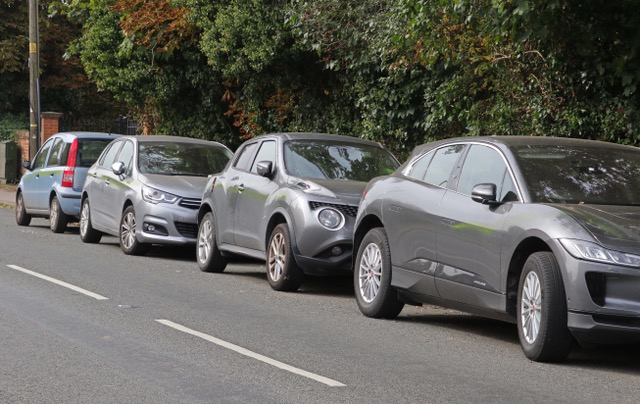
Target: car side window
x=56, y=153
x=126, y=156
x=41, y=158
x=483, y=165
x=110, y=156
x=419, y=167
x=509, y=192
x=442, y=164
x=244, y=159
x=267, y=152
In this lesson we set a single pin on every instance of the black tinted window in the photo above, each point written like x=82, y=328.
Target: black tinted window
x=581, y=174
x=442, y=164
x=320, y=159
x=89, y=150
x=171, y=158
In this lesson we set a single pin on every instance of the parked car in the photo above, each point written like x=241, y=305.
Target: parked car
x=290, y=199
x=52, y=184
x=147, y=190
x=540, y=231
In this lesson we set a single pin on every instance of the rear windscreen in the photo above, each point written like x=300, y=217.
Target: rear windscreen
x=89, y=150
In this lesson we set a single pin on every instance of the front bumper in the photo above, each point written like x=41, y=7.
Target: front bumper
x=603, y=300
x=166, y=223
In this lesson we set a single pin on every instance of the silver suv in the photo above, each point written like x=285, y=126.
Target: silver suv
x=289, y=199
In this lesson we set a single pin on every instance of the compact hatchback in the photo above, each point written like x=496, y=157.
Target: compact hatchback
x=290, y=199
x=540, y=231
x=52, y=184
x=147, y=190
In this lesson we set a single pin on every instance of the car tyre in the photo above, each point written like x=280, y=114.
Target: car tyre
x=57, y=218
x=283, y=272
x=542, y=310
x=129, y=243
x=207, y=253
x=372, y=277
x=87, y=233
x=22, y=217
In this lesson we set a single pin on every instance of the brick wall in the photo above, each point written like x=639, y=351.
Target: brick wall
x=22, y=140
x=49, y=125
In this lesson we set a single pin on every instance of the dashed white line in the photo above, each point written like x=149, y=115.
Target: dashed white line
x=246, y=352
x=57, y=282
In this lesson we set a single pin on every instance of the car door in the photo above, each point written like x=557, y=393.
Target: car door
x=253, y=191
x=469, y=235
x=225, y=196
x=98, y=176
x=116, y=186
x=410, y=214
x=36, y=183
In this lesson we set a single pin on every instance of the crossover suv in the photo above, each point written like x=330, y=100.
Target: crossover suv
x=540, y=231
x=147, y=190
x=52, y=184
x=290, y=199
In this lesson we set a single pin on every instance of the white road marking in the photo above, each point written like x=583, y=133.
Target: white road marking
x=246, y=352
x=57, y=282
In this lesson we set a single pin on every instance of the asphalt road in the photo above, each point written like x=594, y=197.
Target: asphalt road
x=86, y=324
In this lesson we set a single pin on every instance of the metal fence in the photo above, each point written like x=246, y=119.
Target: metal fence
x=121, y=124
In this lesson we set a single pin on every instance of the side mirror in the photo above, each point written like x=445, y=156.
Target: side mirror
x=26, y=164
x=484, y=194
x=265, y=168
x=118, y=168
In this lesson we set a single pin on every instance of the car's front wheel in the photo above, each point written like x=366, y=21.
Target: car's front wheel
x=283, y=273
x=542, y=310
x=129, y=243
x=372, y=277
x=209, y=257
x=87, y=233
x=22, y=217
x=57, y=218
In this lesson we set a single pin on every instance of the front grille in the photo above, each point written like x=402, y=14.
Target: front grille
x=344, y=209
x=190, y=203
x=189, y=230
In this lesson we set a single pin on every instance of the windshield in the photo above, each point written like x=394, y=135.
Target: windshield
x=191, y=159
x=323, y=159
x=581, y=174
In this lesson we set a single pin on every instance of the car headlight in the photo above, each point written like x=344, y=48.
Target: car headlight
x=330, y=218
x=156, y=196
x=593, y=252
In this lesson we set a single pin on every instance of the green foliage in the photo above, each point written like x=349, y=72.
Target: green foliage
x=9, y=124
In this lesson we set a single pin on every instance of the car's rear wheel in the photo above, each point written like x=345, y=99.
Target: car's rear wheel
x=372, y=277
x=57, y=218
x=209, y=257
x=283, y=273
x=129, y=243
x=542, y=310
x=22, y=217
x=87, y=233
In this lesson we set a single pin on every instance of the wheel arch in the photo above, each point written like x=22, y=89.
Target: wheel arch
x=367, y=223
x=526, y=247
x=279, y=217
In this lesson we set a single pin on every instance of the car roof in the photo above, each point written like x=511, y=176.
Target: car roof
x=83, y=134
x=519, y=141
x=170, y=138
x=318, y=136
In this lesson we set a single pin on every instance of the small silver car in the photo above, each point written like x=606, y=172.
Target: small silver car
x=147, y=190
x=290, y=199
x=539, y=231
x=52, y=184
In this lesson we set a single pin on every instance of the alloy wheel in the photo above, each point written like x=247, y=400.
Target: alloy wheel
x=84, y=218
x=205, y=241
x=370, y=272
x=531, y=307
x=277, y=257
x=128, y=230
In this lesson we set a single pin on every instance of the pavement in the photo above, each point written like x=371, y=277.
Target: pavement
x=7, y=195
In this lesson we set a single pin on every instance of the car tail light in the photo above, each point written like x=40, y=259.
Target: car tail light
x=70, y=169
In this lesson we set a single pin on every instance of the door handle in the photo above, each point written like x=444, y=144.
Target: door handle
x=448, y=222
x=241, y=187
x=51, y=175
x=395, y=208
x=237, y=177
